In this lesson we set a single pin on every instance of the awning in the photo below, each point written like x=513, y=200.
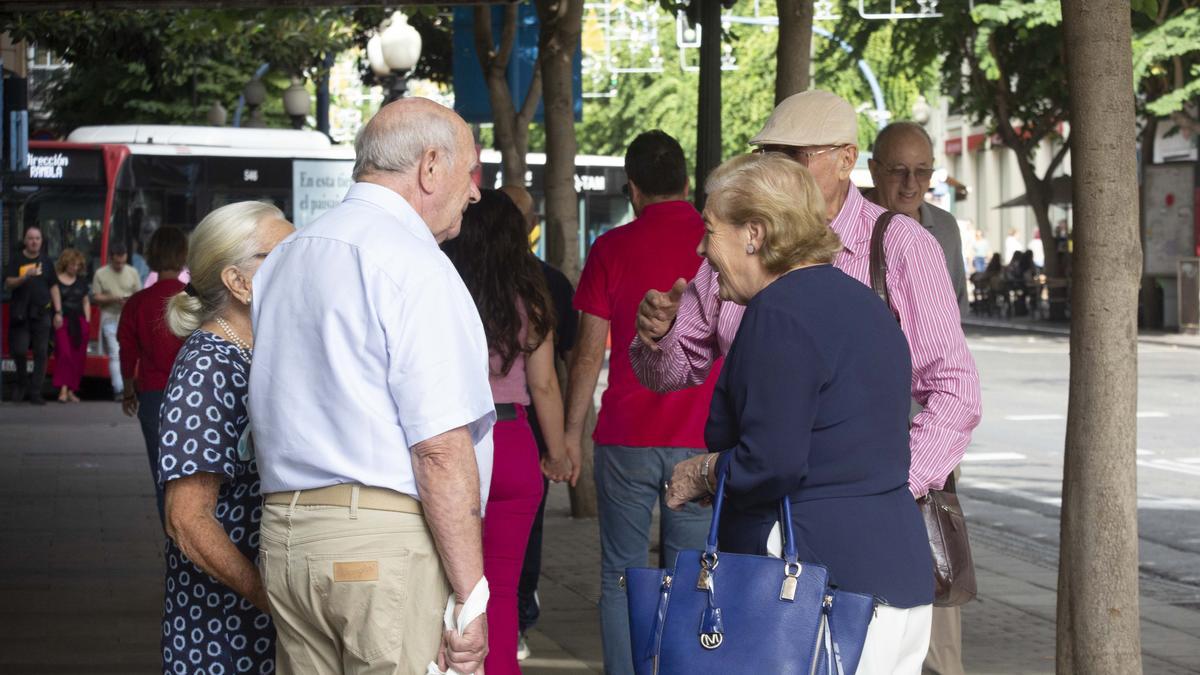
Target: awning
x=1060, y=194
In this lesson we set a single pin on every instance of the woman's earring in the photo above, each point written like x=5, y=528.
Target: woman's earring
x=248, y=295
x=750, y=249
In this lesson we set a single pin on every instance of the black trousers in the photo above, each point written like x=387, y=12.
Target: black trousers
x=528, y=607
x=33, y=333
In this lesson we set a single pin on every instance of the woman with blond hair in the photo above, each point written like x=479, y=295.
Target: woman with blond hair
x=215, y=609
x=71, y=309
x=811, y=406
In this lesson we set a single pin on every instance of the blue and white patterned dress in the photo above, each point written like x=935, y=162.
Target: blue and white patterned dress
x=208, y=628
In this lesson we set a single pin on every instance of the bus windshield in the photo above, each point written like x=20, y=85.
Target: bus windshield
x=68, y=217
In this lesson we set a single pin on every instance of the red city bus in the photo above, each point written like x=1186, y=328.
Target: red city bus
x=120, y=183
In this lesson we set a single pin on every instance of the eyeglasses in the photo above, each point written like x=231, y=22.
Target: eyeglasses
x=798, y=154
x=901, y=173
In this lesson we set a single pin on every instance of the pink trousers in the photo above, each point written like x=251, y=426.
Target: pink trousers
x=511, y=507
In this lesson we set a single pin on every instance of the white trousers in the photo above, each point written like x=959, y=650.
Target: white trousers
x=897, y=639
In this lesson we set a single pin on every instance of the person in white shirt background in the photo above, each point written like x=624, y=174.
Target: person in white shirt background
x=372, y=414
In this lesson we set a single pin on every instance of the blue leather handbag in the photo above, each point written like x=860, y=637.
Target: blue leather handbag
x=734, y=613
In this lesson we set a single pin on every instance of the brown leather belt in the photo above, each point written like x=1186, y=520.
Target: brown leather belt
x=380, y=499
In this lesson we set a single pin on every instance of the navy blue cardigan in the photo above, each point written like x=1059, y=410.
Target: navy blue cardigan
x=813, y=404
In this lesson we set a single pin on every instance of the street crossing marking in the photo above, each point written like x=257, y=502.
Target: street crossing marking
x=1034, y=418
x=1169, y=465
x=992, y=456
x=1144, y=415
x=1142, y=452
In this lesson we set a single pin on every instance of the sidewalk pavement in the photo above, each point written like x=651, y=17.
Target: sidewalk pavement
x=1063, y=328
x=81, y=569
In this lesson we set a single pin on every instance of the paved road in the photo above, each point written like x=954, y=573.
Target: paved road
x=1012, y=472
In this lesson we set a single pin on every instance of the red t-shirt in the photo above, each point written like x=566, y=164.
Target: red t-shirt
x=148, y=347
x=651, y=252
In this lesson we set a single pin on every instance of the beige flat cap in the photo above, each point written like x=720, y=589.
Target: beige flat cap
x=810, y=118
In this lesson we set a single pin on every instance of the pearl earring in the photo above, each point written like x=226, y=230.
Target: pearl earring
x=750, y=249
x=247, y=298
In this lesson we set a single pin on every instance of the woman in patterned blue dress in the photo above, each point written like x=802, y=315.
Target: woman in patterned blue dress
x=215, y=615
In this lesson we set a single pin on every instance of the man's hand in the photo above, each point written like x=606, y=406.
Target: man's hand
x=58, y=320
x=557, y=469
x=575, y=454
x=129, y=402
x=657, y=313
x=465, y=653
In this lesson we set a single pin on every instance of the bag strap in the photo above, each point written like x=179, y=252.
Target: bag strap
x=878, y=262
x=785, y=511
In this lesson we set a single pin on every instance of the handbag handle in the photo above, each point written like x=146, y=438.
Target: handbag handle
x=785, y=523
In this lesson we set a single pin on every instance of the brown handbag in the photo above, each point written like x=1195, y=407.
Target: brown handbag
x=953, y=568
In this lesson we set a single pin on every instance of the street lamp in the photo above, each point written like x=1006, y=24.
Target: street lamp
x=296, y=103
x=921, y=110
x=255, y=94
x=393, y=52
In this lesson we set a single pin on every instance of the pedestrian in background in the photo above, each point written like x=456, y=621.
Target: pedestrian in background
x=902, y=168
x=981, y=249
x=112, y=285
x=372, y=413
x=216, y=617
x=29, y=276
x=71, y=310
x=561, y=294
x=640, y=435
x=506, y=281
x=148, y=347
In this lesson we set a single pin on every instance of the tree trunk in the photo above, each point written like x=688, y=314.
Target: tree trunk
x=510, y=127
x=793, y=58
x=561, y=26
x=1098, y=629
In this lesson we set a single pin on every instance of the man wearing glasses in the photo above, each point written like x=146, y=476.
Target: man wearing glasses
x=902, y=168
x=681, y=335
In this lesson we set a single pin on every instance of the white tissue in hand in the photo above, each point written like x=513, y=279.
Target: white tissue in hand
x=473, y=608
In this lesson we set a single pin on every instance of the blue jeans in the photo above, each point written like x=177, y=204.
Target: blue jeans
x=629, y=482
x=149, y=403
x=108, y=330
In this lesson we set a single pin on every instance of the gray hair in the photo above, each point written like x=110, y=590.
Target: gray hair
x=227, y=236
x=885, y=134
x=394, y=143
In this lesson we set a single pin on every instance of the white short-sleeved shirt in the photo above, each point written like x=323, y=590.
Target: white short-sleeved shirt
x=366, y=343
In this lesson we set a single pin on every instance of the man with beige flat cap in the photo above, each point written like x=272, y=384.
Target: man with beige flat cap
x=681, y=334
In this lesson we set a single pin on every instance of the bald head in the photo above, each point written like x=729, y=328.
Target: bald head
x=394, y=140
x=901, y=136
x=902, y=167
x=524, y=201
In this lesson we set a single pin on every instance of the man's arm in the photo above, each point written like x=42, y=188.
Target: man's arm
x=685, y=354
x=448, y=483
x=587, y=358
x=945, y=381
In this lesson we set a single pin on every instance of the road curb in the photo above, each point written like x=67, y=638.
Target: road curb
x=1180, y=341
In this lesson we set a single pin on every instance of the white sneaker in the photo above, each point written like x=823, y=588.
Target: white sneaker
x=522, y=648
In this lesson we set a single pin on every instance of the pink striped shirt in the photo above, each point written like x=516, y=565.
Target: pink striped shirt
x=944, y=379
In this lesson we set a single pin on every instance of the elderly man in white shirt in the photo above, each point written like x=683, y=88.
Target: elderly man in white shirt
x=372, y=415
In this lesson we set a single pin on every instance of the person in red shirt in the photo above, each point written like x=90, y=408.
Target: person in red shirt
x=148, y=347
x=640, y=435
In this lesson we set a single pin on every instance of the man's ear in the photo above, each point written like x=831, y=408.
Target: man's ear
x=429, y=170
x=846, y=161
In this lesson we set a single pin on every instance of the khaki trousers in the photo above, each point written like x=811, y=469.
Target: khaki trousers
x=353, y=591
x=945, y=643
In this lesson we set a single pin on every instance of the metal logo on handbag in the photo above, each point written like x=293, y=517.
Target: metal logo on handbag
x=727, y=610
x=953, y=568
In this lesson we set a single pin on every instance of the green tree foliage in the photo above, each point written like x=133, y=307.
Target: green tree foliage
x=668, y=100
x=170, y=66
x=1166, y=61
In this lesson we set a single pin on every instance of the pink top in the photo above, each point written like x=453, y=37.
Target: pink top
x=510, y=388
x=650, y=252
x=944, y=380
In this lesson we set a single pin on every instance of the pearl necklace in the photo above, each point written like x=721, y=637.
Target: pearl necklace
x=238, y=342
